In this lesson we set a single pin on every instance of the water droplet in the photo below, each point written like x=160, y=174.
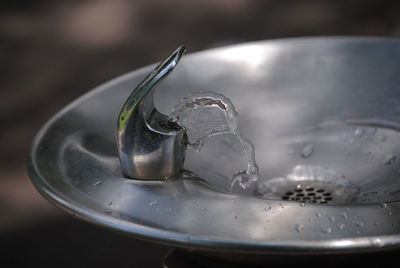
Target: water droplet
x=343, y=214
x=390, y=159
x=170, y=210
x=299, y=227
x=381, y=138
x=331, y=218
x=98, y=183
x=326, y=230
x=340, y=226
x=267, y=208
x=384, y=205
x=359, y=132
x=310, y=219
x=153, y=203
x=244, y=179
x=318, y=214
x=110, y=203
x=377, y=242
x=203, y=209
x=302, y=205
x=358, y=223
x=307, y=150
x=389, y=212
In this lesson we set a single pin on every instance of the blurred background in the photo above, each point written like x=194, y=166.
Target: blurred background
x=51, y=52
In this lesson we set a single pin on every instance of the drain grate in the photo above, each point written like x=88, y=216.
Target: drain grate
x=308, y=194
x=309, y=184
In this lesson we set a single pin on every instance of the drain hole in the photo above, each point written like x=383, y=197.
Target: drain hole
x=308, y=195
x=309, y=184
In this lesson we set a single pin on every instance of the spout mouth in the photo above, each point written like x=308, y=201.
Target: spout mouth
x=142, y=96
x=150, y=146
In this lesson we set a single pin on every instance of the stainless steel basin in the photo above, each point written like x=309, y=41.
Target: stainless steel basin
x=323, y=114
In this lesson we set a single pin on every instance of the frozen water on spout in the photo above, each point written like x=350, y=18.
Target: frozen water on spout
x=206, y=114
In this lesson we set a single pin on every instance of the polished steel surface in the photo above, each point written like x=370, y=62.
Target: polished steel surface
x=150, y=146
x=288, y=93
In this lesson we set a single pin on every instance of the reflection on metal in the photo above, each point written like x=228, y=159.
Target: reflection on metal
x=150, y=146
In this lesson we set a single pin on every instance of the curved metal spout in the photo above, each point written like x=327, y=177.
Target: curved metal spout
x=150, y=146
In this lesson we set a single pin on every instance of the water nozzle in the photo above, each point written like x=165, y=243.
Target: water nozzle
x=150, y=146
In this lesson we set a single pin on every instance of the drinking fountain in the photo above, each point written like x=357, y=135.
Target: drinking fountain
x=323, y=116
